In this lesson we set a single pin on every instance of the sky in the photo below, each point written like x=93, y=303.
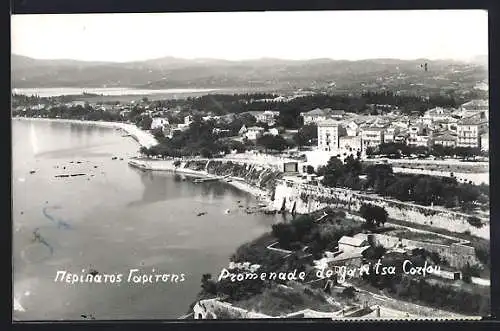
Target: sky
x=349, y=35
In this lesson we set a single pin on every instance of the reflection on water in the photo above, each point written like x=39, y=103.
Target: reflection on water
x=122, y=218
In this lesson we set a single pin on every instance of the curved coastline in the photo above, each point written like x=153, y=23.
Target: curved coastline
x=144, y=138
x=168, y=165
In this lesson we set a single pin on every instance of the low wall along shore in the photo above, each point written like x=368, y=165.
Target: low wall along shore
x=305, y=199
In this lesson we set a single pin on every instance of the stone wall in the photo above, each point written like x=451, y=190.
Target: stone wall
x=308, y=198
x=215, y=309
x=456, y=254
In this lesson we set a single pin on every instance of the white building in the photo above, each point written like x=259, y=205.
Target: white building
x=390, y=134
x=352, y=128
x=268, y=116
x=446, y=139
x=254, y=132
x=188, y=119
x=159, y=123
x=372, y=137
x=242, y=130
x=274, y=131
x=350, y=145
x=419, y=135
x=328, y=135
x=436, y=114
x=470, y=129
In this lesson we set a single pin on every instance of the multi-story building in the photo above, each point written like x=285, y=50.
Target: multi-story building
x=254, y=132
x=390, y=134
x=372, y=137
x=445, y=139
x=352, y=128
x=328, y=135
x=268, y=116
x=470, y=129
x=350, y=144
x=419, y=135
x=436, y=114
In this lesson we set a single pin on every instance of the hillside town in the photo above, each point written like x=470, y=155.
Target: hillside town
x=209, y=178
x=337, y=166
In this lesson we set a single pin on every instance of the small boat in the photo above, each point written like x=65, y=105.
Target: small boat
x=227, y=211
x=114, y=158
x=32, y=171
x=201, y=214
x=203, y=180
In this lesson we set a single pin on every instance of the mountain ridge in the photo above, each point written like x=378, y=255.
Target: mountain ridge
x=172, y=72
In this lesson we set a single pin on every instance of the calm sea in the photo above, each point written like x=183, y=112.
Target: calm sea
x=118, y=218
x=118, y=91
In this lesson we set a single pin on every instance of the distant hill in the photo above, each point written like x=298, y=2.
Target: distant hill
x=171, y=72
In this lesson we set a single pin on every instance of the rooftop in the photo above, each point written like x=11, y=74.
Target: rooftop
x=476, y=119
x=329, y=123
x=346, y=240
x=446, y=137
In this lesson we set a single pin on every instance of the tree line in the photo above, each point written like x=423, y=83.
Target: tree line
x=421, y=189
x=398, y=150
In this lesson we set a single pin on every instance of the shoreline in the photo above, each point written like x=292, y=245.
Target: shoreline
x=144, y=138
x=168, y=166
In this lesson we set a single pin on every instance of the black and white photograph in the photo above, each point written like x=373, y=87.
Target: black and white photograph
x=251, y=165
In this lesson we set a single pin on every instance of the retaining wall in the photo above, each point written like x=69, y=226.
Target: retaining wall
x=308, y=198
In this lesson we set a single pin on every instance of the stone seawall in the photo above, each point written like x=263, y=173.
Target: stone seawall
x=307, y=198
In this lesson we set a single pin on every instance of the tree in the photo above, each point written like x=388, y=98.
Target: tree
x=306, y=135
x=310, y=170
x=469, y=271
x=374, y=252
x=349, y=292
x=332, y=172
x=373, y=215
x=353, y=165
x=158, y=134
x=285, y=233
x=277, y=143
x=475, y=221
x=208, y=285
x=145, y=123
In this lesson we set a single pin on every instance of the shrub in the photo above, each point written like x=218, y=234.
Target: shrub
x=349, y=292
x=469, y=271
x=475, y=222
